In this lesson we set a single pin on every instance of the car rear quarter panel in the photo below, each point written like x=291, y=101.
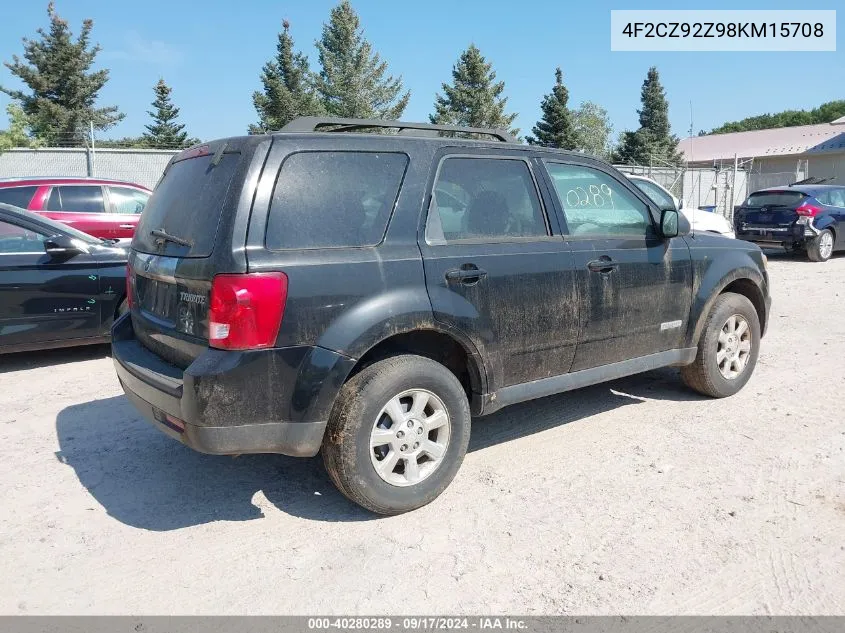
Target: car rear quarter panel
x=348, y=300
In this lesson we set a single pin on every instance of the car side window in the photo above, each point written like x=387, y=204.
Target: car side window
x=77, y=198
x=595, y=203
x=17, y=196
x=334, y=199
x=127, y=201
x=17, y=239
x=484, y=198
x=837, y=198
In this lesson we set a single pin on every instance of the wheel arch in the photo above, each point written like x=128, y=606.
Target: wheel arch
x=743, y=281
x=449, y=349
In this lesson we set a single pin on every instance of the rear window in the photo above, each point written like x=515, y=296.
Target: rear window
x=774, y=199
x=17, y=196
x=187, y=204
x=334, y=199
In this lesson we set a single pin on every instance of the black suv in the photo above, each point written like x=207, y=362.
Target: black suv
x=364, y=294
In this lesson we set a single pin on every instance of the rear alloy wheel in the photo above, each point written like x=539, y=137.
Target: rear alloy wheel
x=727, y=348
x=397, y=434
x=410, y=437
x=820, y=247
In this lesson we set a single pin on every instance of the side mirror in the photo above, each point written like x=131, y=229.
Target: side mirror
x=62, y=246
x=669, y=223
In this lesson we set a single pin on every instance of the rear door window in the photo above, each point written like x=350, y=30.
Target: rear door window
x=492, y=199
x=17, y=196
x=126, y=200
x=77, y=199
x=334, y=199
x=187, y=204
x=832, y=197
x=774, y=199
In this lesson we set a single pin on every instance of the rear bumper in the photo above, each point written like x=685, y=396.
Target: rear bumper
x=264, y=401
x=777, y=236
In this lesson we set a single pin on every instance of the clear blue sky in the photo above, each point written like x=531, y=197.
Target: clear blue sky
x=211, y=54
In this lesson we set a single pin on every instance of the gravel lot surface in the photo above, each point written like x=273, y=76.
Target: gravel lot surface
x=636, y=497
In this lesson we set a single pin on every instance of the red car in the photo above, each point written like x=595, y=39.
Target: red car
x=108, y=209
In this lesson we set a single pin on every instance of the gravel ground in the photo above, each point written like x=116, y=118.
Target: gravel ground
x=633, y=497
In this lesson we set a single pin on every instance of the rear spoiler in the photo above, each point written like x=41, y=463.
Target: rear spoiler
x=812, y=180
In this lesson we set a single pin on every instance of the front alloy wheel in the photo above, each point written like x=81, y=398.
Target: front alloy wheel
x=727, y=347
x=733, y=347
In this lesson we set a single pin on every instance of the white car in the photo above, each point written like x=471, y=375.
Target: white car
x=699, y=219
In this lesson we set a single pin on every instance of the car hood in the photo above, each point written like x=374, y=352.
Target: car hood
x=707, y=221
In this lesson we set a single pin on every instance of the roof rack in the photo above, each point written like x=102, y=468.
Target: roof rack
x=316, y=124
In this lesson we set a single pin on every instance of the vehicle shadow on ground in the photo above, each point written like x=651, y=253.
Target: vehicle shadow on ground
x=781, y=255
x=21, y=361
x=149, y=481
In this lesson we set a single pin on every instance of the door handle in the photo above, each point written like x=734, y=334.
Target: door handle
x=127, y=226
x=468, y=274
x=603, y=265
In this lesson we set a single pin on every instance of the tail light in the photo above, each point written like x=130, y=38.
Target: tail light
x=808, y=210
x=245, y=311
x=129, y=300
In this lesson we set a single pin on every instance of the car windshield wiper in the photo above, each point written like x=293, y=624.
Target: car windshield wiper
x=162, y=236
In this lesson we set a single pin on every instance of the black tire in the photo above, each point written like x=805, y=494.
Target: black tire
x=346, y=447
x=704, y=375
x=814, y=251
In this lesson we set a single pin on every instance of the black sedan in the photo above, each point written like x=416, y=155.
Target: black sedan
x=801, y=217
x=58, y=286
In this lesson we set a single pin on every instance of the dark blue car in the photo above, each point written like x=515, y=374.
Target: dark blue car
x=808, y=218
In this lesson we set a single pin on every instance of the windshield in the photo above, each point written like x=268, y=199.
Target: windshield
x=659, y=197
x=187, y=205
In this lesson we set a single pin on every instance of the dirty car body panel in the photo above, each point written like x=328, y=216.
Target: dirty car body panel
x=532, y=313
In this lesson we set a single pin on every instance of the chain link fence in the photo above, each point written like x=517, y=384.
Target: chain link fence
x=713, y=189
x=139, y=166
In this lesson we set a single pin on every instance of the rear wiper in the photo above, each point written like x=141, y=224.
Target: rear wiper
x=162, y=236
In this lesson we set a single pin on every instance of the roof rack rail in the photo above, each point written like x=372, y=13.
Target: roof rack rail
x=317, y=123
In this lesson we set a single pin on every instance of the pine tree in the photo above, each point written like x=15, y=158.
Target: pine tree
x=474, y=98
x=60, y=102
x=353, y=80
x=556, y=128
x=288, y=88
x=653, y=142
x=164, y=132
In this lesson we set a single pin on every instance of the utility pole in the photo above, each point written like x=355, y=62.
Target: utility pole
x=730, y=213
x=91, y=169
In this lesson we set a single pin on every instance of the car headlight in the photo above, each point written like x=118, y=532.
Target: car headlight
x=765, y=261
